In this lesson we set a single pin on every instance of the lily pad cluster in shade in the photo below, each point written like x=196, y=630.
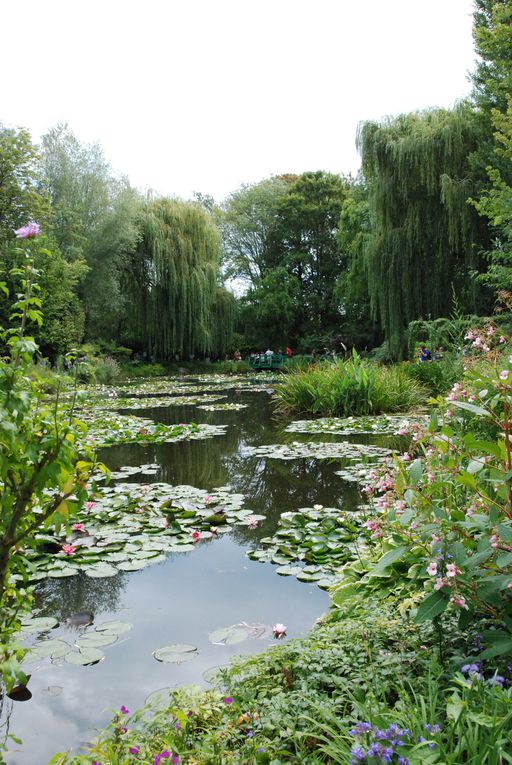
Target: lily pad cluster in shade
x=222, y=407
x=85, y=650
x=346, y=426
x=298, y=450
x=311, y=544
x=130, y=526
x=106, y=429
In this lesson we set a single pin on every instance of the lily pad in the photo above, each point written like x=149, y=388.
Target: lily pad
x=114, y=627
x=95, y=639
x=228, y=635
x=100, y=571
x=177, y=653
x=85, y=656
x=54, y=648
x=39, y=624
x=160, y=699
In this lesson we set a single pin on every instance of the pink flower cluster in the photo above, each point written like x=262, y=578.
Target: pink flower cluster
x=31, y=230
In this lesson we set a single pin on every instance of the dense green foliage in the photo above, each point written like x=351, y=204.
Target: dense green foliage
x=424, y=236
x=348, y=388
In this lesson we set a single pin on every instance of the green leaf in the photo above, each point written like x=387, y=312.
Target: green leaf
x=177, y=653
x=433, y=605
x=392, y=556
x=472, y=408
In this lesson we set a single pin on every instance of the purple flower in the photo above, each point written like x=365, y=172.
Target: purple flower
x=358, y=755
x=386, y=754
x=403, y=761
x=175, y=759
x=360, y=729
x=124, y=710
x=227, y=700
x=250, y=734
x=29, y=231
x=161, y=756
x=374, y=750
x=178, y=726
x=432, y=728
x=189, y=714
x=134, y=749
x=496, y=680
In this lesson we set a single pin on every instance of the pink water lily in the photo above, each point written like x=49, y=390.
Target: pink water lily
x=68, y=549
x=252, y=521
x=196, y=536
x=279, y=630
x=90, y=505
x=78, y=527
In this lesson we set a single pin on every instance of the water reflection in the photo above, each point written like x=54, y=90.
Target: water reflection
x=188, y=595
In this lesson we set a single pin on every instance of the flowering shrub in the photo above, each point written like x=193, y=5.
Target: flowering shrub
x=443, y=511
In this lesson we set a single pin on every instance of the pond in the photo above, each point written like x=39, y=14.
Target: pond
x=190, y=594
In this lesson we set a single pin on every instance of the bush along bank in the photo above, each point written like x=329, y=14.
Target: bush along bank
x=414, y=662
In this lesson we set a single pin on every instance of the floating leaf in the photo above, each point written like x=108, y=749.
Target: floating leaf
x=101, y=570
x=39, y=624
x=86, y=655
x=116, y=627
x=96, y=639
x=177, y=653
x=160, y=699
x=228, y=635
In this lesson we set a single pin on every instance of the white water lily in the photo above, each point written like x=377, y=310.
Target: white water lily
x=279, y=630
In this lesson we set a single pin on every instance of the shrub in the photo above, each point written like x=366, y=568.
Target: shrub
x=439, y=376
x=107, y=371
x=351, y=387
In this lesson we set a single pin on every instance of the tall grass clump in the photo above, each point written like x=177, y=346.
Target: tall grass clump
x=343, y=388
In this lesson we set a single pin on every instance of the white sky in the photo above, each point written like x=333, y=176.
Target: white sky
x=204, y=95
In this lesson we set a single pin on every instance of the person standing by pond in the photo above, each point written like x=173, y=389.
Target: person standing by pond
x=425, y=354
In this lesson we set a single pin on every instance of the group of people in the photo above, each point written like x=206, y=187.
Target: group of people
x=269, y=353
x=424, y=354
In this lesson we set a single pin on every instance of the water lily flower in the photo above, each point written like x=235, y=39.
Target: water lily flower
x=208, y=499
x=31, y=230
x=78, y=527
x=252, y=521
x=279, y=630
x=318, y=507
x=196, y=536
x=214, y=529
x=68, y=549
x=90, y=505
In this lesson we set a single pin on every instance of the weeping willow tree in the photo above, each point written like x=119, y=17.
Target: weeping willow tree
x=176, y=299
x=425, y=238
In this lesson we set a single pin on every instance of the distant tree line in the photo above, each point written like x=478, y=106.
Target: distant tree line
x=315, y=260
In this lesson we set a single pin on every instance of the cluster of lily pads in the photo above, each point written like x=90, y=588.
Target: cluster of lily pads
x=157, y=401
x=107, y=428
x=297, y=450
x=130, y=526
x=311, y=544
x=86, y=648
x=229, y=407
x=346, y=426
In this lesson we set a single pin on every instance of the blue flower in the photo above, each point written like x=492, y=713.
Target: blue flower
x=496, y=680
x=358, y=755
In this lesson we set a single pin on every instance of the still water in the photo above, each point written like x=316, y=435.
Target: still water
x=186, y=596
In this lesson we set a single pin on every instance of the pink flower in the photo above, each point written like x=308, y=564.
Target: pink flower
x=452, y=570
x=208, y=499
x=470, y=335
x=495, y=541
x=279, y=630
x=78, y=527
x=90, y=505
x=196, y=536
x=29, y=231
x=252, y=521
x=406, y=457
x=504, y=374
x=439, y=583
x=68, y=549
x=461, y=602
x=403, y=431
x=432, y=568
x=503, y=339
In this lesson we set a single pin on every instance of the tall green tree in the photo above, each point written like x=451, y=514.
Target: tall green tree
x=492, y=94
x=174, y=283
x=425, y=239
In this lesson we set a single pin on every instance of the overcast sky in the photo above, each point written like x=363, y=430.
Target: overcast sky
x=204, y=95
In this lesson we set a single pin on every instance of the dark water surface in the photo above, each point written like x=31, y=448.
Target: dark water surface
x=186, y=596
